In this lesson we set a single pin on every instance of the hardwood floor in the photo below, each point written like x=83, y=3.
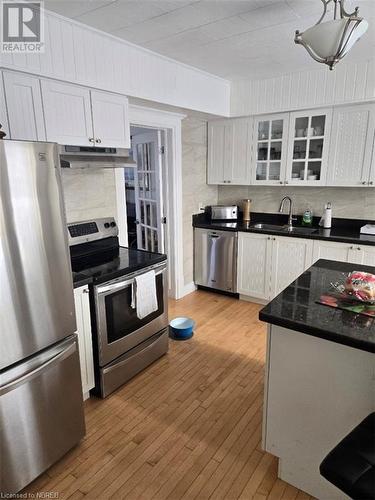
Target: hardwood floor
x=187, y=427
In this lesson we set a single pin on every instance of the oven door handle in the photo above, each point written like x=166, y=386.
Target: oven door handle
x=119, y=286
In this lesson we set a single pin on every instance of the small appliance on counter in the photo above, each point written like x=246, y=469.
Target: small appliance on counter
x=124, y=342
x=222, y=212
x=246, y=209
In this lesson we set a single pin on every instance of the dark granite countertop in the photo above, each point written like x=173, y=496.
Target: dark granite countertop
x=119, y=263
x=296, y=308
x=342, y=231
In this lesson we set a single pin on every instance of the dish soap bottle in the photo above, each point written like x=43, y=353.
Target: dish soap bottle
x=307, y=218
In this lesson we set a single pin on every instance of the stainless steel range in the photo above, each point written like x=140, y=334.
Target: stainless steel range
x=123, y=343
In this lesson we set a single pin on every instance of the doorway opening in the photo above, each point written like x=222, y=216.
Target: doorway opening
x=145, y=190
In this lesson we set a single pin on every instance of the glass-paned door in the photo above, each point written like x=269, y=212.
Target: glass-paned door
x=147, y=153
x=270, y=146
x=307, y=152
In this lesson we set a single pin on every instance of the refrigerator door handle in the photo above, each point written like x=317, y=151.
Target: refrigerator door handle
x=64, y=353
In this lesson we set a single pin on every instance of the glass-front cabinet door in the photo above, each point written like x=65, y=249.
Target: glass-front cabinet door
x=308, y=147
x=270, y=146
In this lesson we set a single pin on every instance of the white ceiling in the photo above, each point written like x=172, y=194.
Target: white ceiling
x=233, y=39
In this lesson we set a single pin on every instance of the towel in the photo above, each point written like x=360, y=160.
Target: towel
x=144, y=297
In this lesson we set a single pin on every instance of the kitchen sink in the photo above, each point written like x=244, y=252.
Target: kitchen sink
x=268, y=227
x=284, y=228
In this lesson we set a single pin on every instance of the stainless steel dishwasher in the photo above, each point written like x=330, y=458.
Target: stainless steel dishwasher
x=215, y=259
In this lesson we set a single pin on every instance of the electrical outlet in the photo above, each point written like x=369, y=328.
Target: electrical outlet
x=201, y=207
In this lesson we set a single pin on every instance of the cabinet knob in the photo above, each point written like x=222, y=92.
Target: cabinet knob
x=358, y=248
x=351, y=248
x=91, y=139
x=364, y=183
x=371, y=183
x=274, y=238
x=286, y=182
x=86, y=290
x=281, y=182
x=98, y=141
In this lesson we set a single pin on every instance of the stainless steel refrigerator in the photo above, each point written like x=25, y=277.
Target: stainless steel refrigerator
x=41, y=409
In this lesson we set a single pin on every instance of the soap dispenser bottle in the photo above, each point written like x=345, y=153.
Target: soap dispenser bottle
x=326, y=220
x=307, y=218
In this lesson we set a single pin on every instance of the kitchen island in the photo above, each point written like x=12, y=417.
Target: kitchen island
x=320, y=376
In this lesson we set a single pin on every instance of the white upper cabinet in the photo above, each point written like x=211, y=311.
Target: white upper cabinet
x=270, y=144
x=241, y=131
x=351, y=145
x=67, y=113
x=111, y=119
x=229, y=151
x=309, y=134
x=217, y=151
x=77, y=116
x=24, y=105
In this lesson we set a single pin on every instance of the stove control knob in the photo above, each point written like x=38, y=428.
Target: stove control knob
x=106, y=225
x=113, y=224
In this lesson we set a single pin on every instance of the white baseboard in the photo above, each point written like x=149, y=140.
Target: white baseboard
x=246, y=298
x=189, y=288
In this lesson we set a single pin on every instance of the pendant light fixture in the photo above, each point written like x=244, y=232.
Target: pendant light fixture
x=328, y=42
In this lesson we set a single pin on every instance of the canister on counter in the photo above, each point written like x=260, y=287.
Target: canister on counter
x=246, y=210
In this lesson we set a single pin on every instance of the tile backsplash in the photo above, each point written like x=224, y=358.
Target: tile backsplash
x=355, y=203
x=89, y=194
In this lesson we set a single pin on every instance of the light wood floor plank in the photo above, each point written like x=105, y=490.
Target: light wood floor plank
x=189, y=426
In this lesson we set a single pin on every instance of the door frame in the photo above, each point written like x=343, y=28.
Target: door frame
x=171, y=124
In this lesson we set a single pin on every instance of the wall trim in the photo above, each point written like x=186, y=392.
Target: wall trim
x=189, y=288
x=171, y=123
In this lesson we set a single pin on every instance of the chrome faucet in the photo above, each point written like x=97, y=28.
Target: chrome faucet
x=290, y=218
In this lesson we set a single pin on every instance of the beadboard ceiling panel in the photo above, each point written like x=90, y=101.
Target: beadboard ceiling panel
x=234, y=39
x=354, y=82
x=79, y=54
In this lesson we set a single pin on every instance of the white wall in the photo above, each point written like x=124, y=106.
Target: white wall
x=80, y=54
x=348, y=82
x=195, y=191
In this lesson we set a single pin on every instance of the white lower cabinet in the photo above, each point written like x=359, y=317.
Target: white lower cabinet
x=82, y=309
x=253, y=266
x=344, y=252
x=268, y=264
x=362, y=254
x=290, y=258
x=331, y=250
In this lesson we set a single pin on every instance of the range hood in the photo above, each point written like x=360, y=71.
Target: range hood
x=92, y=157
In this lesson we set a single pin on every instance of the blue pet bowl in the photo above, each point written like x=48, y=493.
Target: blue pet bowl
x=182, y=328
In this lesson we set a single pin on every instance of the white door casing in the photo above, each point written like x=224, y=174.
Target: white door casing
x=171, y=124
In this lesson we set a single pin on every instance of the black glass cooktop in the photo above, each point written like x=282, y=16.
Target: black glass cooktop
x=110, y=263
